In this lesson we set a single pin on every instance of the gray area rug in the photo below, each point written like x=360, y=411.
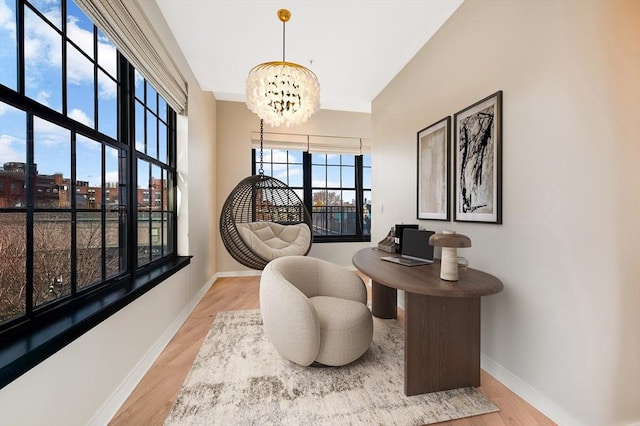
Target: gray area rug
x=238, y=378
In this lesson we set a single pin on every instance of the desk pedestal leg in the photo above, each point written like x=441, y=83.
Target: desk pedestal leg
x=442, y=343
x=384, y=301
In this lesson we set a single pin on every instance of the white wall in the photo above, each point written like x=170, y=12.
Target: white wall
x=87, y=381
x=565, y=332
x=235, y=124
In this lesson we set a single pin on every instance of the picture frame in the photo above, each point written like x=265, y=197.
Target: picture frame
x=477, y=154
x=434, y=171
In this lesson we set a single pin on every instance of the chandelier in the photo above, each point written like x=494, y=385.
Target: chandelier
x=283, y=92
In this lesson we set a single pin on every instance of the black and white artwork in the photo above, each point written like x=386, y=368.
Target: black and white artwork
x=434, y=173
x=478, y=161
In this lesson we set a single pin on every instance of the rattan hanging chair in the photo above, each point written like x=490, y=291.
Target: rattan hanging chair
x=263, y=200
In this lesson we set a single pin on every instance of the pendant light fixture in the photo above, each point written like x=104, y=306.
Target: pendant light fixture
x=283, y=92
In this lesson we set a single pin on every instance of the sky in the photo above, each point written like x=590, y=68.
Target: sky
x=43, y=75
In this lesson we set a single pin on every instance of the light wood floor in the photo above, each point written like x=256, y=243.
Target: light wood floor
x=152, y=399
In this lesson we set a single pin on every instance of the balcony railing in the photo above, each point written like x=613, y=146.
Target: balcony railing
x=334, y=220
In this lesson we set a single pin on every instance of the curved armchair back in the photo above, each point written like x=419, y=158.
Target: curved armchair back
x=294, y=293
x=317, y=277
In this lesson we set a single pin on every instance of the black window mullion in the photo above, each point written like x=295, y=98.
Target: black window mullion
x=124, y=211
x=150, y=212
x=328, y=207
x=126, y=110
x=169, y=214
x=144, y=118
x=30, y=181
x=172, y=202
x=253, y=161
x=157, y=124
x=103, y=212
x=162, y=179
x=359, y=197
x=95, y=79
x=63, y=12
x=20, y=40
x=306, y=183
x=74, y=216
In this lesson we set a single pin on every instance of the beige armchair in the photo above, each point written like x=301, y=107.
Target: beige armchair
x=314, y=310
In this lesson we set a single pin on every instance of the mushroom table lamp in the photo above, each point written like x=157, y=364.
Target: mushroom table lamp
x=450, y=242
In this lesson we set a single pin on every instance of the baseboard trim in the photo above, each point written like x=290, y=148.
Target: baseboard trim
x=255, y=273
x=525, y=391
x=111, y=406
x=239, y=274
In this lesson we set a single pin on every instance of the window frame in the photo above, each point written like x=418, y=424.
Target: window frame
x=42, y=330
x=307, y=190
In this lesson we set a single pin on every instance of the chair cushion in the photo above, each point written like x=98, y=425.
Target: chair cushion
x=346, y=329
x=271, y=240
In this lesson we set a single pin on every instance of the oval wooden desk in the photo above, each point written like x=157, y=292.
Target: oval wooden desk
x=442, y=319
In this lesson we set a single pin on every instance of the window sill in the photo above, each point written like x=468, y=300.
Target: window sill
x=22, y=351
x=341, y=239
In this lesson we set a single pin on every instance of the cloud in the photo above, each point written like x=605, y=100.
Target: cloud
x=323, y=184
x=43, y=97
x=107, y=55
x=279, y=156
x=80, y=69
x=88, y=144
x=12, y=149
x=12, y=138
x=7, y=20
x=80, y=116
x=280, y=172
x=111, y=177
x=112, y=152
x=50, y=134
x=42, y=43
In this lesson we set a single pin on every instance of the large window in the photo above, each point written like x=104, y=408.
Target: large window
x=335, y=188
x=87, y=166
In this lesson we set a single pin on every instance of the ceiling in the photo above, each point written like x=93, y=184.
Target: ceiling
x=355, y=47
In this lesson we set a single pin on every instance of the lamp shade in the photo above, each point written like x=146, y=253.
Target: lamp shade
x=450, y=240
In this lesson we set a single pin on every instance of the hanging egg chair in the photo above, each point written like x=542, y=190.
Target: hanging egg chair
x=263, y=219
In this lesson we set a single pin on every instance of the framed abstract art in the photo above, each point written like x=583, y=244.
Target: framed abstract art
x=477, y=153
x=434, y=171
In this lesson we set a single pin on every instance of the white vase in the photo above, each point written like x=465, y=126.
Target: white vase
x=449, y=262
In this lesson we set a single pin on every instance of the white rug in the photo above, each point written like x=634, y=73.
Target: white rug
x=238, y=378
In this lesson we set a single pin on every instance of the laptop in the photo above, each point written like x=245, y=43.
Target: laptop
x=400, y=234
x=416, y=250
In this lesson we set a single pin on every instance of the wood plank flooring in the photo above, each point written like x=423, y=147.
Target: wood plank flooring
x=151, y=400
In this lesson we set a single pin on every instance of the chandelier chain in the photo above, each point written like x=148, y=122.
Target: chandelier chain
x=261, y=169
